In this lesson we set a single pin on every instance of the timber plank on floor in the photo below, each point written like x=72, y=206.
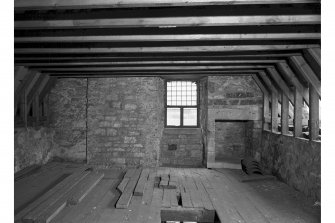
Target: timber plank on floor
x=141, y=182
x=127, y=194
x=185, y=195
x=130, y=173
x=264, y=207
x=187, y=214
x=222, y=200
x=123, y=184
x=59, y=203
x=32, y=211
x=149, y=187
x=246, y=207
x=154, y=215
x=88, y=210
x=26, y=172
x=192, y=190
x=166, y=202
x=85, y=186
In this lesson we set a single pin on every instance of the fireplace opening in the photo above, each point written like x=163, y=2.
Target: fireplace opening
x=231, y=140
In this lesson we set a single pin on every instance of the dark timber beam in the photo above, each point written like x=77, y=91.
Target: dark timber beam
x=226, y=48
x=266, y=102
x=287, y=72
x=300, y=65
x=298, y=104
x=284, y=114
x=92, y=4
x=195, y=74
x=178, y=68
x=52, y=64
x=185, y=37
x=171, y=22
x=47, y=87
x=280, y=82
x=313, y=57
x=53, y=57
x=19, y=94
x=20, y=73
x=36, y=88
x=274, y=101
x=314, y=121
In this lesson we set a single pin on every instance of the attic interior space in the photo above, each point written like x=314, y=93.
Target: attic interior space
x=167, y=111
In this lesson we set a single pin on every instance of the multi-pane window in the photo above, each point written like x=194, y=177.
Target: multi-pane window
x=181, y=103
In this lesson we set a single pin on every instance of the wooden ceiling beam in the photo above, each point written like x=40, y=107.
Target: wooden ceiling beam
x=150, y=73
x=313, y=56
x=69, y=64
x=178, y=68
x=280, y=82
x=260, y=85
x=180, y=37
x=144, y=57
x=300, y=66
x=38, y=86
x=19, y=75
x=170, y=22
x=92, y=4
x=289, y=75
x=226, y=48
x=47, y=87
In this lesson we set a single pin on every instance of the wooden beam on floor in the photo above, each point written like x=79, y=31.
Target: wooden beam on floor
x=127, y=194
x=132, y=63
x=314, y=120
x=180, y=37
x=226, y=48
x=284, y=114
x=313, y=56
x=300, y=65
x=298, y=104
x=286, y=71
x=92, y=4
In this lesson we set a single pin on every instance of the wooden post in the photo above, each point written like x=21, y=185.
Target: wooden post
x=35, y=105
x=313, y=113
x=274, y=111
x=298, y=103
x=284, y=114
x=266, y=112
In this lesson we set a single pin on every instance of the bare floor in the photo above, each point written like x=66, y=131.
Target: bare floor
x=233, y=200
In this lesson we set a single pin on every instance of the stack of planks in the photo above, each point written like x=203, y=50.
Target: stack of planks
x=71, y=191
x=186, y=197
x=133, y=183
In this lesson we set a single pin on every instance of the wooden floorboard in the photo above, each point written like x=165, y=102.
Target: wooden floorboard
x=222, y=191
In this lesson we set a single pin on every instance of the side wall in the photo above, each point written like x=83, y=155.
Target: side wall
x=296, y=161
x=32, y=146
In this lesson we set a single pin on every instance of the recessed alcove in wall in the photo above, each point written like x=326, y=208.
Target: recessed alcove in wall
x=231, y=140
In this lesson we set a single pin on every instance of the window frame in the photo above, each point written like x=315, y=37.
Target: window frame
x=182, y=106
